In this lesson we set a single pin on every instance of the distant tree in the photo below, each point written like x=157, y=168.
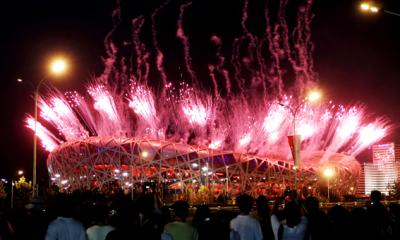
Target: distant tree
x=394, y=190
x=23, y=185
x=23, y=191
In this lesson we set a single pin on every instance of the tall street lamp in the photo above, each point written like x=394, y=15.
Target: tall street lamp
x=328, y=173
x=20, y=173
x=295, y=140
x=57, y=67
x=374, y=8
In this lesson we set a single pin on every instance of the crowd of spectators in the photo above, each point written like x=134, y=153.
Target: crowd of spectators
x=85, y=216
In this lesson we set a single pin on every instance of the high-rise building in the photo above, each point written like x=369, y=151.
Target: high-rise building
x=383, y=171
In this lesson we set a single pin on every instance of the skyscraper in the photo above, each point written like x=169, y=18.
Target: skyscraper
x=384, y=169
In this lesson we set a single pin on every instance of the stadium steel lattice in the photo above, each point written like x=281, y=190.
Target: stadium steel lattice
x=95, y=163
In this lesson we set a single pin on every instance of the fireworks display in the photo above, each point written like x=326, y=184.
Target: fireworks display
x=250, y=107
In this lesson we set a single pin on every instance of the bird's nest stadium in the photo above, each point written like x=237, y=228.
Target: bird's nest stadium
x=194, y=171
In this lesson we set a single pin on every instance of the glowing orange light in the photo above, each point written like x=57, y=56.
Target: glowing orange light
x=328, y=172
x=365, y=6
x=314, y=96
x=145, y=154
x=369, y=7
x=58, y=66
x=374, y=9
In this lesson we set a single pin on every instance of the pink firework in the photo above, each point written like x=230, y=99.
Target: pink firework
x=252, y=114
x=49, y=141
x=104, y=102
x=58, y=112
x=196, y=110
x=142, y=103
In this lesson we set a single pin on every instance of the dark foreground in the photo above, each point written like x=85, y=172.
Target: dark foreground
x=145, y=218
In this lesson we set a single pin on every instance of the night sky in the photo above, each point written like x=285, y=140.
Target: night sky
x=356, y=56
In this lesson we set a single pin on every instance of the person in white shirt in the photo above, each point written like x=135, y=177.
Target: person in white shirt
x=293, y=227
x=245, y=226
x=101, y=228
x=64, y=227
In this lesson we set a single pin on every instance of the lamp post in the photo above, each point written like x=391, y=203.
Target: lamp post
x=57, y=67
x=328, y=173
x=295, y=140
x=20, y=173
x=227, y=181
x=374, y=8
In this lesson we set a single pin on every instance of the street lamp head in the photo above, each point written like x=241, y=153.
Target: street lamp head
x=374, y=9
x=20, y=172
x=314, y=96
x=364, y=6
x=328, y=172
x=58, y=66
x=369, y=7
